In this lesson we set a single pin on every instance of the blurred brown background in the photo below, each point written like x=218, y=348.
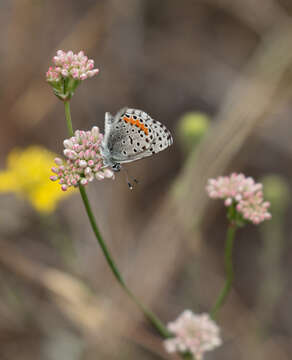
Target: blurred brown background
x=228, y=59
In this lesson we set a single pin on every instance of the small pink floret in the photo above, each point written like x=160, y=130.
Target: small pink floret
x=83, y=76
x=58, y=161
x=108, y=173
x=99, y=176
x=228, y=202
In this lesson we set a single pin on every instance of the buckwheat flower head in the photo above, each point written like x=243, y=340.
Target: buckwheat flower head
x=67, y=65
x=193, y=333
x=83, y=161
x=68, y=71
x=254, y=208
x=244, y=193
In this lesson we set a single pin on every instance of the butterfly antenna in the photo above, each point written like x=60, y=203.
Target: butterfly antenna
x=128, y=179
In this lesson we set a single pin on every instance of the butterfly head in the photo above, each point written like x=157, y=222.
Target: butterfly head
x=107, y=159
x=116, y=167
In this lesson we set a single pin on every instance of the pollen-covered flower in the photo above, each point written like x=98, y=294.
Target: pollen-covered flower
x=244, y=193
x=193, y=334
x=83, y=160
x=68, y=71
x=27, y=175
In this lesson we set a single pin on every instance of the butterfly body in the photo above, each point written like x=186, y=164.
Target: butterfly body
x=132, y=135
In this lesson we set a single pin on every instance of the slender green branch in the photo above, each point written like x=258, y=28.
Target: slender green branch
x=68, y=117
x=148, y=314
x=98, y=235
x=228, y=269
x=187, y=356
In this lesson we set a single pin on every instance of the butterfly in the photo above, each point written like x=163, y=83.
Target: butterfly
x=131, y=135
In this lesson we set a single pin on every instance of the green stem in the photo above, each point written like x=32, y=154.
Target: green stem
x=148, y=314
x=187, y=356
x=228, y=269
x=68, y=117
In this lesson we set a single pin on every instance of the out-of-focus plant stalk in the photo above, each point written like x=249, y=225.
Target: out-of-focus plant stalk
x=158, y=325
x=188, y=357
x=271, y=287
x=228, y=268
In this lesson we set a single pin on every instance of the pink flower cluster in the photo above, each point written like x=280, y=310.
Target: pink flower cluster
x=77, y=66
x=84, y=162
x=244, y=192
x=193, y=333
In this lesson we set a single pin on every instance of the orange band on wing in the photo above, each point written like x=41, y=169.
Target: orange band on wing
x=137, y=123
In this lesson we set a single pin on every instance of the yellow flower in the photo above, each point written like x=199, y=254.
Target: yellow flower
x=28, y=174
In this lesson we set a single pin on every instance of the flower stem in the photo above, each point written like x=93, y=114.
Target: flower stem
x=228, y=268
x=187, y=356
x=162, y=330
x=68, y=117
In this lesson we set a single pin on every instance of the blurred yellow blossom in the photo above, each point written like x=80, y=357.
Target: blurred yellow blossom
x=192, y=127
x=28, y=174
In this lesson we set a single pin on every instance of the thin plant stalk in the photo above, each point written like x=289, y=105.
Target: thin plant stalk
x=228, y=268
x=68, y=118
x=188, y=356
x=162, y=330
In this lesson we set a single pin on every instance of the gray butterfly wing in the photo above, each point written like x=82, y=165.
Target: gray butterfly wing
x=132, y=134
x=127, y=142
x=162, y=137
x=108, y=124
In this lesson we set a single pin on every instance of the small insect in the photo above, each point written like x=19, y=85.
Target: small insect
x=132, y=135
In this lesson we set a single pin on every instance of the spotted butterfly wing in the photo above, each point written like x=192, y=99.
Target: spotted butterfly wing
x=132, y=134
x=162, y=137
